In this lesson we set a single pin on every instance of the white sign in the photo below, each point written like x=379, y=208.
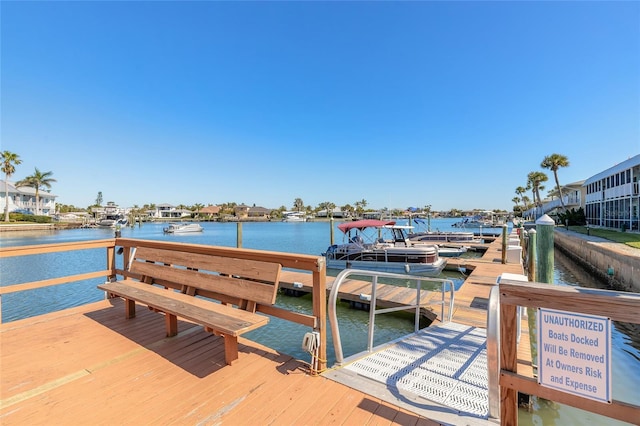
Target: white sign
x=574, y=353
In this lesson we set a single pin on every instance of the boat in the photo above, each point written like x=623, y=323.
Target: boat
x=183, y=228
x=113, y=222
x=294, y=217
x=111, y=217
x=440, y=237
x=483, y=220
x=448, y=251
x=377, y=253
x=475, y=221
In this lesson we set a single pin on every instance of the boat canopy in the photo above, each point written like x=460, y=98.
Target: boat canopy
x=362, y=224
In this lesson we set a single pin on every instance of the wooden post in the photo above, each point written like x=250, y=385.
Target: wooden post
x=508, y=362
x=532, y=254
x=331, y=230
x=111, y=262
x=521, y=233
x=544, y=247
x=239, y=235
x=319, y=300
x=531, y=312
x=504, y=244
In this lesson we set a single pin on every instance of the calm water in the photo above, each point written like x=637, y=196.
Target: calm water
x=308, y=238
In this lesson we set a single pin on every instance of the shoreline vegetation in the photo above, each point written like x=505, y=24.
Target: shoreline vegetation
x=631, y=239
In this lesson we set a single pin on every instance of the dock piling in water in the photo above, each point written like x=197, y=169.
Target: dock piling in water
x=544, y=269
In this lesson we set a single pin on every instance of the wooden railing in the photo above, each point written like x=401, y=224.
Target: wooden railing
x=109, y=272
x=124, y=246
x=618, y=306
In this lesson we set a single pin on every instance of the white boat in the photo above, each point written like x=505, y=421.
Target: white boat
x=113, y=222
x=294, y=217
x=396, y=254
x=486, y=220
x=446, y=251
x=183, y=228
x=440, y=237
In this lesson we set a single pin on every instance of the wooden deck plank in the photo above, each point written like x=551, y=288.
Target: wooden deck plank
x=131, y=374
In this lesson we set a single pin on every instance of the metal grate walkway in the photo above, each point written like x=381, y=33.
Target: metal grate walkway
x=446, y=364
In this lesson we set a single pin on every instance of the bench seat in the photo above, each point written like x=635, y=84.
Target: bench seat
x=219, y=293
x=221, y=318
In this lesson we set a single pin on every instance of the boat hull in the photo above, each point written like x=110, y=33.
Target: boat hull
x=426, y=269
x=183, y=229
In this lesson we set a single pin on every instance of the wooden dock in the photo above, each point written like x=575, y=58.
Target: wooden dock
x=356, y=292
x=411, y=372
x=89, y=365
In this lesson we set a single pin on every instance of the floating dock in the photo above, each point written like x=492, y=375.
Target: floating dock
x=441, y=372
x=358, y=293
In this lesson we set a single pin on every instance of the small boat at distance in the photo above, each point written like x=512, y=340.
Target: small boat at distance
x=395, y=254
x=183, y=228
x=294, y=217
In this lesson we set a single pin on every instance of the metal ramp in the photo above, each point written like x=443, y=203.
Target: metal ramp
x=439, y=372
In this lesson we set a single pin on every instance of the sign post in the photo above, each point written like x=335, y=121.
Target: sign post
x=574, y=353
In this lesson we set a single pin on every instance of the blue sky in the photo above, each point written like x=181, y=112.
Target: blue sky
x=448, y=104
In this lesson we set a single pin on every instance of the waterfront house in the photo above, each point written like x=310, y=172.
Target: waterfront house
x=241, y=211
x=335, y=213
x=168, y=211
x=210, y=212
x=257, y=212
x=24, y=198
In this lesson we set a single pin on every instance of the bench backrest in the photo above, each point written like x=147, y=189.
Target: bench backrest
x=241, y=282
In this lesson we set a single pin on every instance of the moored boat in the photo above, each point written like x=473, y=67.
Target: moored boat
x=377, y=253
x=183, y=228
x=440, y=237
x=448, y=251
x=294, y=217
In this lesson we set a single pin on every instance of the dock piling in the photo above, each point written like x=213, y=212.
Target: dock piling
x=544, y=247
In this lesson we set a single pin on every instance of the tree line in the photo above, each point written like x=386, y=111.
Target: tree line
x=43, y=180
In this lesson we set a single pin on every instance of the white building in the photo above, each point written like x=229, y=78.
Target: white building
x=24, y=198
x=168, y=211
x=613, y=196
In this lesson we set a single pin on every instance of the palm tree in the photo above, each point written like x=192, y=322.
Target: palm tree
x=360, y=206
x=553, y=162
x=328, y=206
x=38, y=180
x=516, y=200
x=535, y=180
x=9, y=161
x=198, y=206
x=298, y=204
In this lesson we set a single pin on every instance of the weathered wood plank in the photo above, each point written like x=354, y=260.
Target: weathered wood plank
x=219, y=317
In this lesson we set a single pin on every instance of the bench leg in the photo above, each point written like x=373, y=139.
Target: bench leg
x=230, y=348
x=129, y=308
x=171, y=322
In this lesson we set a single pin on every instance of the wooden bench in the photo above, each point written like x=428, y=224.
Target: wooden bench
x=167, y=281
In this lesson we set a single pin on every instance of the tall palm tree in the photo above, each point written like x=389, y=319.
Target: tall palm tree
x=516, y=200
x=9, y=162
x=38, y=180
x=198, y=206
x=535, y=180
x=553, y=162
x=298, y=204
x=360, y=206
